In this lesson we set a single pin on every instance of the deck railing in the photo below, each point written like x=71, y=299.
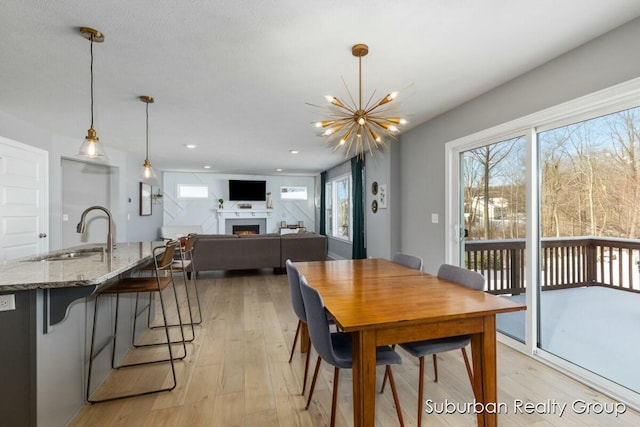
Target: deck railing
x=565, y=263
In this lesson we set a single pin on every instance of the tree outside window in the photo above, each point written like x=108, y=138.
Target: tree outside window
x=338, y=205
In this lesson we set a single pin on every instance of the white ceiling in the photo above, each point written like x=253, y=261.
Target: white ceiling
x=233, y=77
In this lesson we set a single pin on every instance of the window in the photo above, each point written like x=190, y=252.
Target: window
x=293, y=193
x=338, y=214
x=192, y=191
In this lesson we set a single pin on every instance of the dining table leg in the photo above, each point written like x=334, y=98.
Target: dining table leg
x=364, y=378
x=485, y=388
x=304, y=338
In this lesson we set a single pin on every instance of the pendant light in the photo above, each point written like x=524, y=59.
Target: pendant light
x=360, y=127
x=147, y=174
x=91, y=147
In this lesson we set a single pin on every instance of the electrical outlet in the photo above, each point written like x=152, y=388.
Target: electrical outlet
x=7, y=302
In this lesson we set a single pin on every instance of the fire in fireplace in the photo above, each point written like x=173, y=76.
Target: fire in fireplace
x=246, y=229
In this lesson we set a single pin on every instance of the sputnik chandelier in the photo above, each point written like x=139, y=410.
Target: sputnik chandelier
x=359, y=127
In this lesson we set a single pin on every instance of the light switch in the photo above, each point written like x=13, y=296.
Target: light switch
x=434, y=218
x=65, y=217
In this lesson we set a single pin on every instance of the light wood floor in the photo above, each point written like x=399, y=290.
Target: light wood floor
x=237, y=374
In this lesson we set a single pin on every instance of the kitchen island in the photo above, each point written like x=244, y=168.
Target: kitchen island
x=43, y=341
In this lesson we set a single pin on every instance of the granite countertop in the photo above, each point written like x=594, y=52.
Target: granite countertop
x=89, y=265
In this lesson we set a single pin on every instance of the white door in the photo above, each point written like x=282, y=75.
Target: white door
x=84, y=185
x=24, y=206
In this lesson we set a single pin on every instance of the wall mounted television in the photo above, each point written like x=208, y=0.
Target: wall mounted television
x=249, y=191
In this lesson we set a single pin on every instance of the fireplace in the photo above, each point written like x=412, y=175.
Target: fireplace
x=239, y=225
x=264, y=217
x=246, y=229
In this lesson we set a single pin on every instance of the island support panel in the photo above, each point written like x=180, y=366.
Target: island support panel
x=18, y=361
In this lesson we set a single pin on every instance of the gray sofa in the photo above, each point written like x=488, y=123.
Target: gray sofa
x=251, y=251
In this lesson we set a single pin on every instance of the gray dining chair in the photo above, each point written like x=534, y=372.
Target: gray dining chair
x=335, y=348
x=298, y=308
x=411, y=261
x=420, y=349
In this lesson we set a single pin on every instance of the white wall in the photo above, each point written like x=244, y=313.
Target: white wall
x=204, y=212
x=140, y=228
x=95, y=191
x=601, y=63
x=383, y=227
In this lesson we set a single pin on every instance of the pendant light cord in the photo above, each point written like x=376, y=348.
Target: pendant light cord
x=147, y=131
x=360, y=79
x=91, y=50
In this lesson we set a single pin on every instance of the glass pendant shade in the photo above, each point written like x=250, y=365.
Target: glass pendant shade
x=91, y=148
x=147, y=174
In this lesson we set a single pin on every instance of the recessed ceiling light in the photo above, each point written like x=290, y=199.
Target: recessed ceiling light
x=207, y=167
x=191, y=146
x=294, y=151
x=279, y=170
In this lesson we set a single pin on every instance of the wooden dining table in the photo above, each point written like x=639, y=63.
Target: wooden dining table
x=382, y=303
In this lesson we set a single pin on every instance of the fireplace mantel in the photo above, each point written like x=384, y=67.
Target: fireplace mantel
x=230, y=214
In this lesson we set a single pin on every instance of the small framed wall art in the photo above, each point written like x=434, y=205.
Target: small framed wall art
x=382, y=195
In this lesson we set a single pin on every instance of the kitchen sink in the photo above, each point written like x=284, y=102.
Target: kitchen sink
x=67, y=256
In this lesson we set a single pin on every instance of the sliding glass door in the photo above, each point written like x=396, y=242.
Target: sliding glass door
x=547, y=208
x=550, y=215
x=589, y=303
x=492, y=214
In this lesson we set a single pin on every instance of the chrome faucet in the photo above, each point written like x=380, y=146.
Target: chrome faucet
x=110, y=234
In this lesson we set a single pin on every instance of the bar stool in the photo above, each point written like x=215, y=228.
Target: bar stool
x=186, y=264
x=162, y=260
x=182, y=261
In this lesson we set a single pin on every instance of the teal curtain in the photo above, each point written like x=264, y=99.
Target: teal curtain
x=323, y=203
x=357, y=182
